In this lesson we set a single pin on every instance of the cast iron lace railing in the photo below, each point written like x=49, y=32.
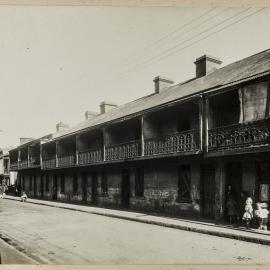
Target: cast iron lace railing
x=123, y=151
x=239, y=135
x=180, y=142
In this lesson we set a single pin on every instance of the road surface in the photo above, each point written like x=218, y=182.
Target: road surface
x=60, y=236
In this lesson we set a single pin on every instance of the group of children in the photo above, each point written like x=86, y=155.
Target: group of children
x=244, y=210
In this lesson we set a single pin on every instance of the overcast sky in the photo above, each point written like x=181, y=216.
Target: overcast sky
x=58, y=62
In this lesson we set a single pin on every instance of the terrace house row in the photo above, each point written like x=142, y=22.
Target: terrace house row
x=175, y=151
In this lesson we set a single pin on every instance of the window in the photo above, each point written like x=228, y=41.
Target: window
x=184, y=184
x=30, y=182
x=62, y=183
x=139, y=183
x=47, y=182
x=104, y=183
x=75, y=183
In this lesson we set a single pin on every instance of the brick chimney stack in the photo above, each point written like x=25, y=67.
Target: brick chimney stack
x=206, y=64
x=162, y=83
x=106, y=106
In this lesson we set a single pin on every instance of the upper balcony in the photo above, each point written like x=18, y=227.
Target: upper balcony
x=90, y=147
x=49, y=155
x=239, y=120
x=34, y=156
x=123, y=140
x=66, y=152
x=172, y=131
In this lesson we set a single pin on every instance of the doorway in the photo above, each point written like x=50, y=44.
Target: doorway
x=208, y=191
x=234, y=180
x=125, y=189
x=94, y=187
x=84, y=187
x=41, y=186
x=55, y=187
x=35, y=186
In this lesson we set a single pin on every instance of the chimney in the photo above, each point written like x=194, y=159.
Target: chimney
x=24, y=140
x=206, y=64
x=105, y=107
x=90, y=115
x=162, y=83
x=61, y=126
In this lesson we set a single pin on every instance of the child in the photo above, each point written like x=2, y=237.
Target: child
x=262, y=214
x=23, y=197
x=248, y=215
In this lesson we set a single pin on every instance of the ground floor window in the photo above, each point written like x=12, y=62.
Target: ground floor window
x=184, y=183
x=62, y=183
x=139, y=183
x=104, y=183
x=75, y=183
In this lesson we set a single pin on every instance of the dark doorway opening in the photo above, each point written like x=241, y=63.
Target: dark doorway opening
x=94, y=187
x=84, y=187
x=41, y=186
x=55, y=187
x=234, y=181
x=208, y=191
x=125, y=189
x=35, y=186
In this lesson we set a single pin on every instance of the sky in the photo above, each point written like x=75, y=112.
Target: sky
x=56, y=62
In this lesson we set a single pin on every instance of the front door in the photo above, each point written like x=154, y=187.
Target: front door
x=125, y=189
x=208, y=191
x=84, y=187
x=55, y=187
x=94, y=187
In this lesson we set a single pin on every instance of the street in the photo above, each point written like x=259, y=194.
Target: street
x=59, y=236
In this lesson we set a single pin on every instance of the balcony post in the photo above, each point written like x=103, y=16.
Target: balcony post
x=77, y=150
x=206, y=124
x=104, y=143
x=267, y=101
x=201, y=129
x=142, y=135
x=28, y=156
x=56, y=154
x=40, y=155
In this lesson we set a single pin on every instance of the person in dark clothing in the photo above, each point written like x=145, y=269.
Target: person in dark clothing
x=241, y=206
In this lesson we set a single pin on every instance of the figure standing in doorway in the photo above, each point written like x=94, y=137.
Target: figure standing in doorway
x=231, y=209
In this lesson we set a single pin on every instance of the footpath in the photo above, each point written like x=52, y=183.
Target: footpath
x=239, y=233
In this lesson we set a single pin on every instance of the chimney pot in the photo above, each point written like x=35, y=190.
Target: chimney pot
x=106, y=106
x=206, y=64
x=162, y=83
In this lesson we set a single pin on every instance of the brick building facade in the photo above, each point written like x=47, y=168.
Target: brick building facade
x=175, y=151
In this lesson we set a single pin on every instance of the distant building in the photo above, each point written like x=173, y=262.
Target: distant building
x=176, y=151
x=7, y=177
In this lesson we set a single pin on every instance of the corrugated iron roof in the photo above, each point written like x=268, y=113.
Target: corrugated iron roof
x=237, y=71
